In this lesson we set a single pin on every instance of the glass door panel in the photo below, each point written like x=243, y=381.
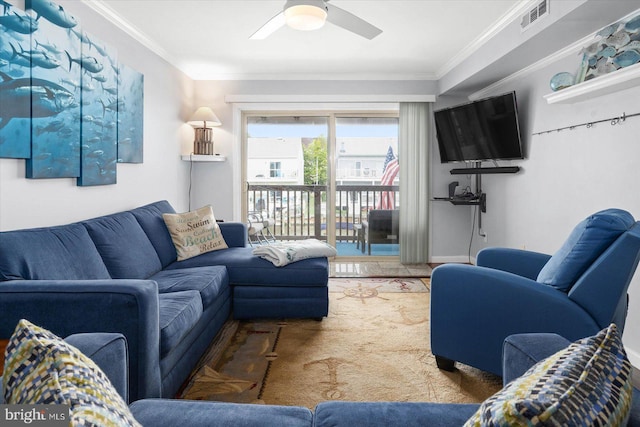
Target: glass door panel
x=286, y=176
x=366, y=178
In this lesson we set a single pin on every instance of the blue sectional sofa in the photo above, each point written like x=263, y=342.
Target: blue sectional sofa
x=118, y=273
x=109, y=351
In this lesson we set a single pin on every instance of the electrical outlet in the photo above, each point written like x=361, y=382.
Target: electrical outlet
x=485, y=237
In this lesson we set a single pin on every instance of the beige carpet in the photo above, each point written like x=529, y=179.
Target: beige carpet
x=373, y=346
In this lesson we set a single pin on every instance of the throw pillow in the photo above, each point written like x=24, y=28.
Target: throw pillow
x=587, y=383
x=194, y=233
x=41, y=368
x=584, y=245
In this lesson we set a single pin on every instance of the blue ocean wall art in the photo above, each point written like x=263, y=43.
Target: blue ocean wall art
x=15, y=83
x=66, y=105
x=131, y=125
x=55, y=100
x=99, y=121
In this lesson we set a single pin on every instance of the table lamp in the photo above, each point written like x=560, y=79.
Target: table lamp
x=203, y=117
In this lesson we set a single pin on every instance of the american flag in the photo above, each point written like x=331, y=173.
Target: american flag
x=390, y=171
x=389, y=157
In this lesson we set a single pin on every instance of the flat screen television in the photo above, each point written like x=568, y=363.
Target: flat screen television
x=486, y=129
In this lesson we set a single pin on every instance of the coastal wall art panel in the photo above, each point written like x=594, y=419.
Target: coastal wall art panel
x=131, y=115
x=15, y=83
x=66, y=105
x=55, y=92
x=99, y=91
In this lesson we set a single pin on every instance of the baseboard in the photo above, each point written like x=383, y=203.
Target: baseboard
x=460, y=259
x=634, y=358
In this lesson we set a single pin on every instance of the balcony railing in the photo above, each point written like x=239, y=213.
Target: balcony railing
x=300, y=211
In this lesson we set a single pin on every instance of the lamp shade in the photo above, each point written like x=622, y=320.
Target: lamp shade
x=204, y=116
x=306, y=16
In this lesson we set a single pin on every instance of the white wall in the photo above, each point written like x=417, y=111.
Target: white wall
x=167, y=103
x=567, y=175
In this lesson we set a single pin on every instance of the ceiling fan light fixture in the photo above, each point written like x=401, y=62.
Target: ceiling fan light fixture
x=305, y=17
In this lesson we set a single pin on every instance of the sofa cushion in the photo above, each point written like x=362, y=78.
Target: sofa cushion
x=123, y=246
x=179, y=312
x=194, y=233
x=405, y=414
x=160, y=412
x=245, y=268
x=587, y=241
x=209, y=281
x=64, y=252
x=41, y=368
x=150, y=219
x=587, y=383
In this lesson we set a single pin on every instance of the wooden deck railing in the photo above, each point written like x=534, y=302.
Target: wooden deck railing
x=300, y=211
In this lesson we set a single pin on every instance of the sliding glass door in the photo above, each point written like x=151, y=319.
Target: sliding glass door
x=366, y=180
x=318, y=176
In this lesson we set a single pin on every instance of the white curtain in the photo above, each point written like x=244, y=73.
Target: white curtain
x=414, y=139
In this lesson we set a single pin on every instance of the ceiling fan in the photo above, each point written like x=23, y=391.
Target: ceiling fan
x=309, y=15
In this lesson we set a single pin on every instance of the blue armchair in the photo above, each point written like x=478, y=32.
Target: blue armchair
x=574, y=293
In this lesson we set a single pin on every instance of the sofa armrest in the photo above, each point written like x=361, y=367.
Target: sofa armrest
x=523, y=263
x=521, y=351
x=234, y=233
x=66, y=307
x=109, y=352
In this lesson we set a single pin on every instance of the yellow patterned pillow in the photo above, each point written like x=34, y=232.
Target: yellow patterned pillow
x=194, y=233
x=41, y=368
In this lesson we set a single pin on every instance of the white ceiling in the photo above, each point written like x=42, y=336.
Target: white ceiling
x=209, y=39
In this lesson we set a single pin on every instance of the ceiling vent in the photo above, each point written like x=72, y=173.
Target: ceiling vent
x=539, y=11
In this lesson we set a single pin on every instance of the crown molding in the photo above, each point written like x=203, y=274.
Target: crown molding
x=112, y=16
x=258, y=98
x=505, y=20
x=312, y=76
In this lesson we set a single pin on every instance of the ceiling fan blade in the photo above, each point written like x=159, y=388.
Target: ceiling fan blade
x=269, y=28
x=351, y=22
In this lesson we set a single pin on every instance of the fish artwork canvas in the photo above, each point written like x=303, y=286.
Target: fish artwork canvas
x=131, y=124
x=66, y=105
x=55, y=91
x=99, y=112
x=15, y=83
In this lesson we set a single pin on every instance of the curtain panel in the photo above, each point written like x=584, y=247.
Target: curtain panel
x=416, y=132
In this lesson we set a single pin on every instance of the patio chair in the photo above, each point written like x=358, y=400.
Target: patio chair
x=381, y=226
x=259, y=228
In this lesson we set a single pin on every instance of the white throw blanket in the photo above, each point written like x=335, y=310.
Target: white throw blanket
x=284, y=253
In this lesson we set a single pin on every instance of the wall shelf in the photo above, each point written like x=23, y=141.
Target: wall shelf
x=615, y=81
x=203, y=158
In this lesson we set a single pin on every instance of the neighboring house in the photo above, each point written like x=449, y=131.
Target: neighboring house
x=275, y=161
x=360, y=161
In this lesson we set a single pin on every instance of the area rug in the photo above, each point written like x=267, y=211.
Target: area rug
x=373, y=346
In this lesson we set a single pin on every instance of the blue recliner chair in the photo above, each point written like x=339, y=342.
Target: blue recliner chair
x=575, y=293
